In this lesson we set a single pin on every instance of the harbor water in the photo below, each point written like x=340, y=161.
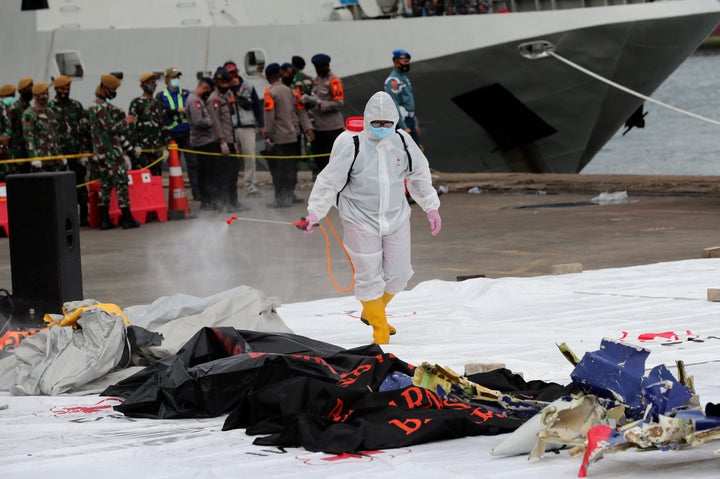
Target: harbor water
x=672, y=143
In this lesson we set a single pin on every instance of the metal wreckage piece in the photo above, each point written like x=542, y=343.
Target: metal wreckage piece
x=621, y=408
x=625, y=409
x=445, y=381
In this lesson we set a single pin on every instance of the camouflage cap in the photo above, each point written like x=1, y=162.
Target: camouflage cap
x=172, y=72
x=110, y=81
x=7, y=90
x=24, y=83
x=62, y=81
x=40, y=87
x=147, y=76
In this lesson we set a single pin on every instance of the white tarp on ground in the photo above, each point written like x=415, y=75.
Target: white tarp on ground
x=516, y=321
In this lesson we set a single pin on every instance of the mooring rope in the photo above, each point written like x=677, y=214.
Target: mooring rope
x=628, y=90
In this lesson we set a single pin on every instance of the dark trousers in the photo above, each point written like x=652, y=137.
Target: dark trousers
x=412, y=124
x=147, y=159
x=232, y=170
x=208, y=166
x=323, y=143
x=82, y=192
x=284, y=171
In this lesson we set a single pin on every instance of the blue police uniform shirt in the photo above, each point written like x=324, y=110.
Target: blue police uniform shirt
x=398, y=86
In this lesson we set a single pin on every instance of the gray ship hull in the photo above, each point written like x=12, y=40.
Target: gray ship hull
x=481, y=105
x=582, y=113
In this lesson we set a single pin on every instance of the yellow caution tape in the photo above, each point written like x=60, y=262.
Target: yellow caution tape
x=237, y=155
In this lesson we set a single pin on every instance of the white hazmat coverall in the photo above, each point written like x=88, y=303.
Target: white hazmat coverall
x=372, y=204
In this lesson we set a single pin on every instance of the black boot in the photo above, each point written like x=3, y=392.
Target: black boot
x=84, y=214
x=105, y=223
x=128, y=221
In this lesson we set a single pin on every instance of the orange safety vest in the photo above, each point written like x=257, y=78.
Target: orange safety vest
x=336, y=89
x=269, y=102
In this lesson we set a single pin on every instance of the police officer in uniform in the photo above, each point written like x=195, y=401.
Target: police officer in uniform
x=41, y=131
x=398, y=86
x=174, y=99
x=108, y=126
x=73, y=137
x=326, y=101
x=248, y=121
x=204, y=139
x=221, y=105
x=285, y=119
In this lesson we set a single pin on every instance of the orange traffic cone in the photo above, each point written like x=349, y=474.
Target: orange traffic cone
x=178, y=207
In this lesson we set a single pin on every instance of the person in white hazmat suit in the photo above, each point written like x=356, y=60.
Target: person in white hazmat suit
x=373, y=208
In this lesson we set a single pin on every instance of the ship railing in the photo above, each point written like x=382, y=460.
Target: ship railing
x=540, y=5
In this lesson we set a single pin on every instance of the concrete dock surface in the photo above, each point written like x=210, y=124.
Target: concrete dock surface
x=518, y=225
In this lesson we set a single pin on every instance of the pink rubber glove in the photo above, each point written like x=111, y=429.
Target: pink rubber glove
x=435, y=222
x=311, y=219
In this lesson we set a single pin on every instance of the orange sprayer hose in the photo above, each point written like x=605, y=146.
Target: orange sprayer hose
x=329, y=265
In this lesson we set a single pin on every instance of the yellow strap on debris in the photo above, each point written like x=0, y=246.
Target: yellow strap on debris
x=71, y=318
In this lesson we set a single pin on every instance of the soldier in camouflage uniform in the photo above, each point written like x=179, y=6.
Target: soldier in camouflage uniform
x=5, y=133
x=108, y=125
x=73, y=137
x=149, y=130
x=16, y=148
x=7, y=97
x=40, y=131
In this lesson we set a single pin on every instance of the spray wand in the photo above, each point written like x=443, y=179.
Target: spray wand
x=302, y=224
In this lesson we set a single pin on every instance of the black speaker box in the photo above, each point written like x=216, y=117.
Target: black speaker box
x=44, y=243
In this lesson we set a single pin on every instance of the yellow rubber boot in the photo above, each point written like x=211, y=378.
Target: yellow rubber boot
x=386, y=297
x=375, y=315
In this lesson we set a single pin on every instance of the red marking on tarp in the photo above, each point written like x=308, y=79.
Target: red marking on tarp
x=231, y=219
x=99, y=406
x=651, y=336
x=668, y=336
x=365, y=456
x=346, y=455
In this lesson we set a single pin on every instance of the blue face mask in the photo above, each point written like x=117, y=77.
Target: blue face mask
x=175, y=83
x=8, y=100
x=380, y=132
